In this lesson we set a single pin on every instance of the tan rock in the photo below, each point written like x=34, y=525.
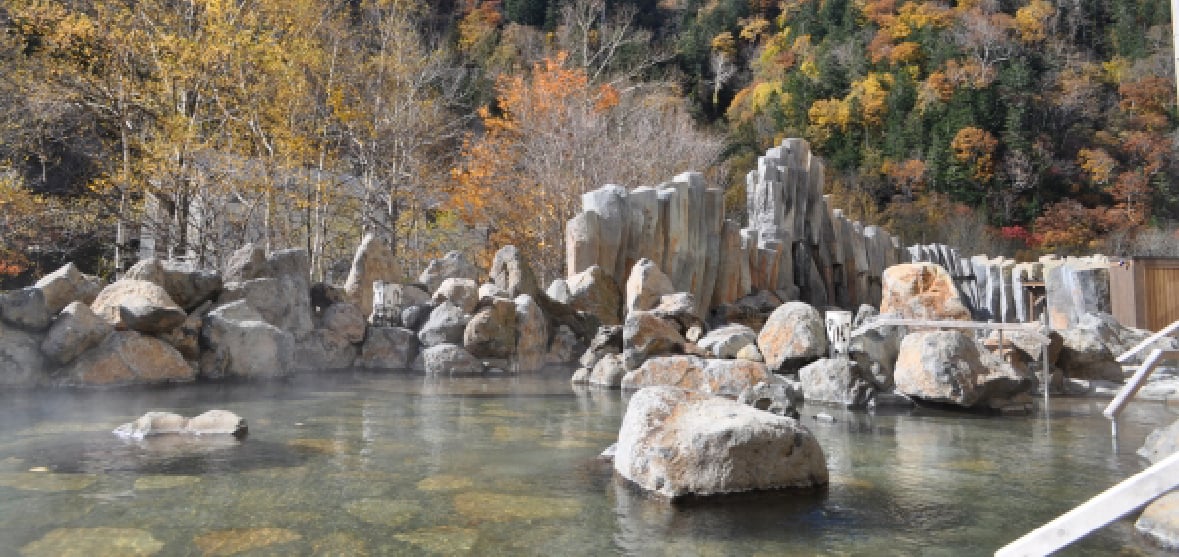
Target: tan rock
x=921, y=291
x=373, y=261
x=131, y=293
x=719, y=377
x=676, y=443
x=125, y=358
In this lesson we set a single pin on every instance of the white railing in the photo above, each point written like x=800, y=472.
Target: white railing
x=1135, y=492
x=1119, y=500
x=1135, y=383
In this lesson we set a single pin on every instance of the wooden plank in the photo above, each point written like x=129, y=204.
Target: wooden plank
x=1162, y=291
x=1108, y=506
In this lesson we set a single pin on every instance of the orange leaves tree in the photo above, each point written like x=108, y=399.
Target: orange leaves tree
x=556, y=133
x=522, y=178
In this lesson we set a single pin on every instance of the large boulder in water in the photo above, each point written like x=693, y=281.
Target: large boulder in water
x=718, y=377
x=25, y=309
x=594, y=292
x=835, y=381
x=345, y=319
x=793, y=336
x=450, y=359
x=76, y=330
x=128, y=358
x=21, y=362
x=452, y=265
x=324, y=349
x=949, y=367
x=373, y=261
x=240, y=343
x=532, y=335
x=66, y=285
x=1084, y=356
x=921, y=291
x=388, y=348
x=676, y=443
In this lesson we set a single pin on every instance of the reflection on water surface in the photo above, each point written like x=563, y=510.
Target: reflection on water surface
x=373, y=464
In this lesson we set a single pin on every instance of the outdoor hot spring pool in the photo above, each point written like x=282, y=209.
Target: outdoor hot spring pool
x=379, y=464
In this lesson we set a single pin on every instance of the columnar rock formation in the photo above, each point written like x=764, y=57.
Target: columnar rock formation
x=1002, y=290
x=793, y=245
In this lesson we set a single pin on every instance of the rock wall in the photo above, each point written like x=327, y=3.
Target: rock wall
x=1001, y=290
x=793, y=244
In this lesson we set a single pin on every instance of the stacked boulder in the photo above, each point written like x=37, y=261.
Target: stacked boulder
x=261, y=318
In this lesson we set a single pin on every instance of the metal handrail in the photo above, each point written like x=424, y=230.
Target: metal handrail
x=1108, y=506
x=1135, y=383
x=1125, y=357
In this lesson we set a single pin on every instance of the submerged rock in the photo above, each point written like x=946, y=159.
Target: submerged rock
x=94, y=542
x=678, y=443
x=1160, y=521
x=241, y=540
x=1161, y=443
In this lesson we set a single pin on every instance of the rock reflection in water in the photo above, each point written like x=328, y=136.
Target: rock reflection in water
x=408, y=465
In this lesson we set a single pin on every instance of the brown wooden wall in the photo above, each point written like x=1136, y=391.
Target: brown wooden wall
x=1144, y=291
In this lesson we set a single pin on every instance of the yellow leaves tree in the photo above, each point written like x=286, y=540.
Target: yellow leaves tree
x=1031, y=21
x=975, y=147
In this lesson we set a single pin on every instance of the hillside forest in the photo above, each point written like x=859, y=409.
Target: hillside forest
x=190, y=127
